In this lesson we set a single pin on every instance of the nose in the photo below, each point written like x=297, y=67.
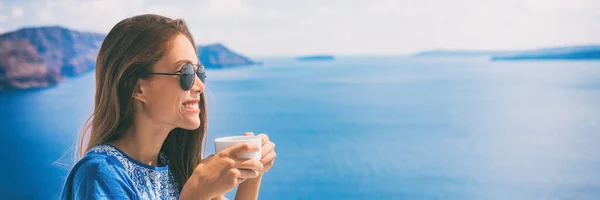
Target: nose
x=198, y=86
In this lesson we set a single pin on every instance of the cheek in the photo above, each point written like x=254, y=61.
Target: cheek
x=165, y=106
x=164, y=103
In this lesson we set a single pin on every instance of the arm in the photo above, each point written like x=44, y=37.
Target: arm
x=220, y=173
x=97, y=178
x=248, y=190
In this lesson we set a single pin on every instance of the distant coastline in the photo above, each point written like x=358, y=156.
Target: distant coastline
x=559, y=53
x=582, y=52
x=39, y=57
x=218, y=56
x=315, y=57
x=460, y=53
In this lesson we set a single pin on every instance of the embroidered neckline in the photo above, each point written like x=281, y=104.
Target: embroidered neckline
x=150, y=182
x=162, y=158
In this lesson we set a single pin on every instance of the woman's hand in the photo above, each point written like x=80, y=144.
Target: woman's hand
x=268, y=152
x=249, y=189
x=220, y=173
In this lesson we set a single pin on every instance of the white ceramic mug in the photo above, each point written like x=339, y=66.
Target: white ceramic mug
x=226, y=142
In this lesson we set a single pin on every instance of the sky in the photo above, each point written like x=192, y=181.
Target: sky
x=339, y=27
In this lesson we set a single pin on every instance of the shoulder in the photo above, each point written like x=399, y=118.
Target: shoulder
x=96, y=176
x=99, y=166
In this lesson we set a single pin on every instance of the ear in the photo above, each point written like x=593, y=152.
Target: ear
x=138, y=91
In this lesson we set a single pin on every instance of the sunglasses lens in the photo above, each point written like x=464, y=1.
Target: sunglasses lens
x=187, y=76
x=202, y=73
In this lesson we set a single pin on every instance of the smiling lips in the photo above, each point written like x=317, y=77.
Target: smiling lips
x=191, y=105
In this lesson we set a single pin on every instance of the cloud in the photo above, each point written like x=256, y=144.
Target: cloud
x=391, y=7
x=277, y=15
x=166, y=10
x=92, y=15
x=562, y=6
x=17, y=12
x=101, y=15
x=339, y=26
x=225, y=8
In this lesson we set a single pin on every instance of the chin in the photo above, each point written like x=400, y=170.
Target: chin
x=191, y=126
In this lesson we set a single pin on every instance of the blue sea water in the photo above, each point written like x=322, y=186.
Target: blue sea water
x=362, y=128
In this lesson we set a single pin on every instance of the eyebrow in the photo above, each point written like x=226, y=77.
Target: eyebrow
x=179, y=63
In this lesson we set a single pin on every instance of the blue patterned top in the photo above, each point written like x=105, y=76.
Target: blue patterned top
x=106, y=172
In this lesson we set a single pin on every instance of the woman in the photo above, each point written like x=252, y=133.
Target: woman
x=149, y=123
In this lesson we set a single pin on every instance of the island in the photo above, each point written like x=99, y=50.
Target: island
x=588, y=52
x=460, y=53
x=315, y=57
x=218, y=56
x=582, y=52
x=42, y=56
x=38, y=57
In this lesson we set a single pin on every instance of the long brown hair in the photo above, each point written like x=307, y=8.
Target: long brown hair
x=128, y=52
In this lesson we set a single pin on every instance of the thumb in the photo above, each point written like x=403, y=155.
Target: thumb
x=249, y=134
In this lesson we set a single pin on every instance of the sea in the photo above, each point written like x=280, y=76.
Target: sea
x=361, y=127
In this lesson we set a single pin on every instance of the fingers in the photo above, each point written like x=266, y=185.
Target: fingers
x=267, y=148
x=241, y=180
x=268, y=158
x=237, y=150
x=242, y=174
x=269, y=164
x=248, y=164
x=247, y=173
x=264, y=137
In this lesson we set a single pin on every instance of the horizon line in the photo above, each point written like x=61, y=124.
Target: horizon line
x=341, y=54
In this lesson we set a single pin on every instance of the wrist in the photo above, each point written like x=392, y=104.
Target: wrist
x=188, y=192
x=252, y=181
x=248, y=190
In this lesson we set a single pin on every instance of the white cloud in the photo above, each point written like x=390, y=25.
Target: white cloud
x=225, y=8
x=101, y=15
x=166, y=10
x=277, y=15
x=17, y=12
x=92, y=15
x=392, y=8
x=341, y=26
x=562, y=6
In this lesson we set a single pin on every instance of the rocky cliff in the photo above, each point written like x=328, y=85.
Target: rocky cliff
x=40, y=57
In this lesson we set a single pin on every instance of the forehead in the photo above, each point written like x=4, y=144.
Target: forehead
x=180, y=48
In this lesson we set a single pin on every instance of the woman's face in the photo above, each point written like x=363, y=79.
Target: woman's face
x=164, y=101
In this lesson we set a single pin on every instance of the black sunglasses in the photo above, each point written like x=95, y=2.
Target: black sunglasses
x=186, y=75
